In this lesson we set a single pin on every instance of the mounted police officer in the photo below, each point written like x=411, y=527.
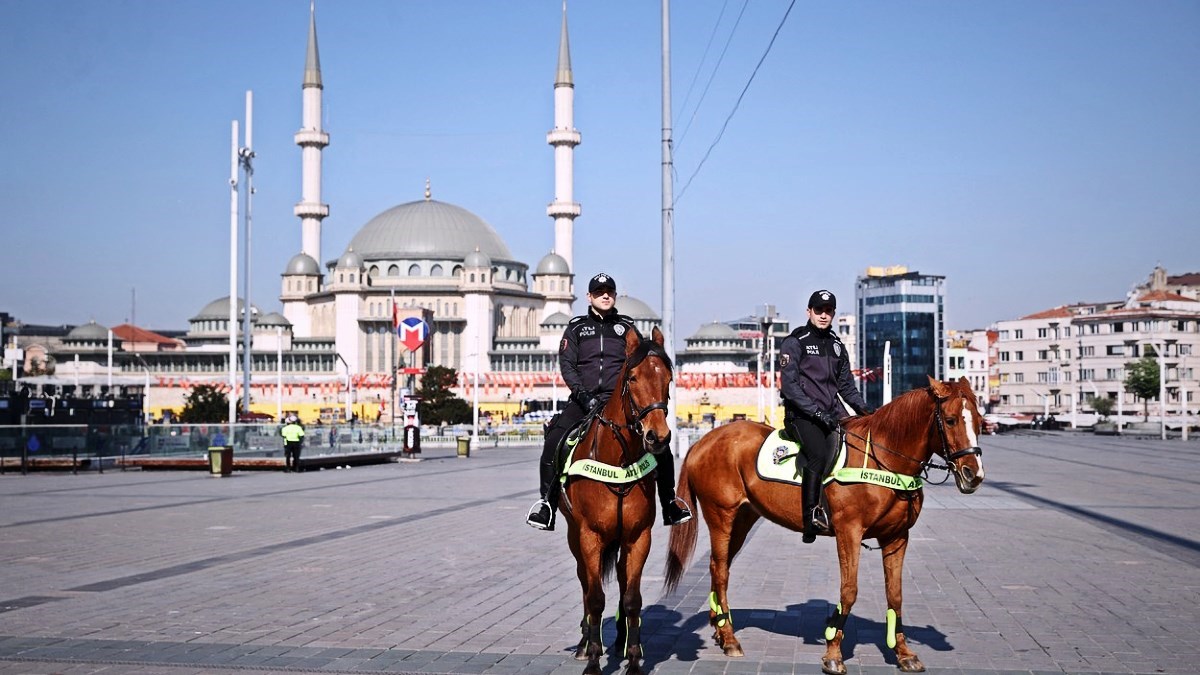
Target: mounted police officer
x=591, y=355
x=815, y=371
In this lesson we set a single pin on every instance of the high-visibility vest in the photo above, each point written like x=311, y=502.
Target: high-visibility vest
x=292, y=433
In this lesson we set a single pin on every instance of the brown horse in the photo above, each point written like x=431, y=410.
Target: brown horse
x=904, y=435
x=609, y=516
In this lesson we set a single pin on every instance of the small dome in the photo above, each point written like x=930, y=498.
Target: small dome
x=477, y=258
x=557, y=319
x=273, y=319
x=635, y=309
x=88, y=331
x=553, y=263
x=350, y=259
x=219, y=309
x=302, y=263
x=715, y=331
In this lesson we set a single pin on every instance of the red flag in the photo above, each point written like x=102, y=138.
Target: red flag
x=395, y=318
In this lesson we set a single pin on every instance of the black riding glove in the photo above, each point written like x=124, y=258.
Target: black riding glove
x=588, y=401
x=828, y=421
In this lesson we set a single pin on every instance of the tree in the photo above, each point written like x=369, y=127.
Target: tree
x=438, y=403
x=205, y=404
x=1141, y=380
x=1103, y=407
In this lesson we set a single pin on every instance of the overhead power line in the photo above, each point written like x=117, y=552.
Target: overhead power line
x=742, y=95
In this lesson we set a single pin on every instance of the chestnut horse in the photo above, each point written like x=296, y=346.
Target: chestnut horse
x=609, y=514
x=901, y=438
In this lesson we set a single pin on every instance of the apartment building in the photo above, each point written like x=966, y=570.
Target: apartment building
x=1058, y=360
x=967, y=356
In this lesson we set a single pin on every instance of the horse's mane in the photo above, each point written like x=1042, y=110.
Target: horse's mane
x=903, y=409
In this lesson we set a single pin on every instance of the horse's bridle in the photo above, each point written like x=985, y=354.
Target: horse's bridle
x=633, y=415
x=941, y=426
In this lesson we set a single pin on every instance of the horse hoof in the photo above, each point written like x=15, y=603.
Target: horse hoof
x=634, y=669
x=581, y=653
x=911, y=665
x=833, y=667
x=734, y=651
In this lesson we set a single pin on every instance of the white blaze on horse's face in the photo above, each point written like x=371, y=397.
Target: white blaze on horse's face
x=967, y=477
x=969, y=423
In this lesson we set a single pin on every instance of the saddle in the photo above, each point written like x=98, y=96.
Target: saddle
x=778, y=461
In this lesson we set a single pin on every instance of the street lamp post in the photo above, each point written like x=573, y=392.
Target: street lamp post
x=1161, y=349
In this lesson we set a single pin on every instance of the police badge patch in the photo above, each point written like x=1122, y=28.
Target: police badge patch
x=619, y=329
x=837, y=349
x=784, y=359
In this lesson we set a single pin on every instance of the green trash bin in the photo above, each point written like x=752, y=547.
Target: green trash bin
x=464, y=446
x=220, y=460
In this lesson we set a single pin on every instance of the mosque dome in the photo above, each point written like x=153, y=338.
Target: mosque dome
x=350, y=259
x=89, y=331
x=303, y=263
x=273, y=319
x=636, y=309
x=477, y=259
x=427, y=228
x=219, y=309
x=557, y=319
x=715, y=331
x=553, y=263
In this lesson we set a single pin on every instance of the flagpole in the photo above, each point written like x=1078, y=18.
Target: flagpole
x=395, y=375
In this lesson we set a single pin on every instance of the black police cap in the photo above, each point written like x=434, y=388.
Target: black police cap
x=601, y=280
x=822, y=298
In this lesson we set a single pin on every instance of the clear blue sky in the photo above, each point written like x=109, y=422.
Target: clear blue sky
x=1034, y=153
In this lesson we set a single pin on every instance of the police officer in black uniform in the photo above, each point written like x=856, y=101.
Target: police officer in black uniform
x=815, y=371
x=591, y=355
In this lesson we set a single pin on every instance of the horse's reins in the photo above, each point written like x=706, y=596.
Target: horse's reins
x=928, y=463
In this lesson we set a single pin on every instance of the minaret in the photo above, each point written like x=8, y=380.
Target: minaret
x=564, y=138
x=311, y=140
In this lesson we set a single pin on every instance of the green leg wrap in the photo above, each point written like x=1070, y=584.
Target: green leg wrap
x=893, y=626
x=722, y=617
x=835, y=622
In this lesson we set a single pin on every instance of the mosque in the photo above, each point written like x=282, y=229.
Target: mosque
x=489, y=316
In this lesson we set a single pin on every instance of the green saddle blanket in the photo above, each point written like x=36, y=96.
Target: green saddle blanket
x=780, y=459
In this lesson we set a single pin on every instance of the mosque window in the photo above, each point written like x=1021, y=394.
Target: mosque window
x=394, y=271
x=472, y=277
x=341, y=277
x=373, y=272
x=414, y=270
x=435, y=271
x=351, y=278
x=458, y=271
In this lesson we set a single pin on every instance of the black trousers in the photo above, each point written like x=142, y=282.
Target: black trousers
x=291, y=456
x=820, y=447
x=549, y=469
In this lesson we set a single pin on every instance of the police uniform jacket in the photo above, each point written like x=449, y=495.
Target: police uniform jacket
x=292, y=433
x=592, y=352
x=815, y=368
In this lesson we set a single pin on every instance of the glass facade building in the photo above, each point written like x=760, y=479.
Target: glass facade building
x=907, y=309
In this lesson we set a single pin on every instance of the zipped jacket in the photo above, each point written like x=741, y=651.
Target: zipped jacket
x=815, y=369
x=592, y=352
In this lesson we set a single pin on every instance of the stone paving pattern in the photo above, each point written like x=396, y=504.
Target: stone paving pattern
x=1079, y=554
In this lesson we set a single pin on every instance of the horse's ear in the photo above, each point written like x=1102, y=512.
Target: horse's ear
x=940, y=389
x=656, y=335
x=632, y=340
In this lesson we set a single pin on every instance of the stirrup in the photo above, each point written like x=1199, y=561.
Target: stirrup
x=534, y=517
x=683, y=513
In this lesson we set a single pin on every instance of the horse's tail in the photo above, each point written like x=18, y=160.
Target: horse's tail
x=683, y=537
x=608, y=559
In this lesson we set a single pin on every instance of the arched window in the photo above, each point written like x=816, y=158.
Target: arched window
x=414, y=270
x=472, y=277
x=435, y=271
x=373, y=272
x=458, y=271
x=394, y=271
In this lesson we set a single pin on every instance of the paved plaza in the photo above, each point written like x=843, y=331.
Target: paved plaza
x=1079, y=554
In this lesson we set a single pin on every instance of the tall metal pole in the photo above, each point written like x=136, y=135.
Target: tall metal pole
x=668, y=211
x=279, y=373
x=246, y=156
x=233, y=261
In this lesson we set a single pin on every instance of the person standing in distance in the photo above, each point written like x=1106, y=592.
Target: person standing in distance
x=815, y=370
x=591, y=355
x=293, y=437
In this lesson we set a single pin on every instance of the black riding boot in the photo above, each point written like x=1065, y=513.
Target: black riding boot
x=541, y=514
x=815, y=520
x=674, y=511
